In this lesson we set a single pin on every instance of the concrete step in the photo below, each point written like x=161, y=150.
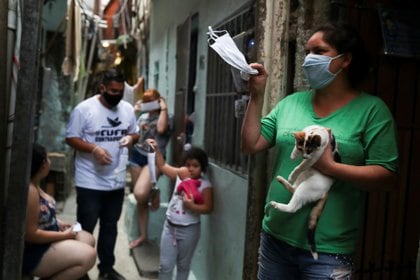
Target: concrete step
x=146, y=258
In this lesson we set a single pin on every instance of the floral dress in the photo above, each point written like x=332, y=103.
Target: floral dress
x=33, y=252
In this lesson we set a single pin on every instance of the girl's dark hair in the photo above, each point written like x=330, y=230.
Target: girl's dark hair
x=198, y=154
x=345, y=39
x=112, y=74
x=39, y=156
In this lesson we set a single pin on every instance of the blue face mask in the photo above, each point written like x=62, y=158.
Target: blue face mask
x=316, y=69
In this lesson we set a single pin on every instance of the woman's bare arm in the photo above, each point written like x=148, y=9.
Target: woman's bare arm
x=251, y=139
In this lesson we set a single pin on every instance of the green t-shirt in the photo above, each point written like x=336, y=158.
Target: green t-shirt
x=365, y=132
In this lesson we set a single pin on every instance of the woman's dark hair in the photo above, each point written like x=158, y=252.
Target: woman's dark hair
x=198, y=154
x=39, y=156
x=345, y=39
x=112, y=74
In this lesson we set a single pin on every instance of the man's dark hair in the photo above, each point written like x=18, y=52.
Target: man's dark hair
x=198, y=154
x=112, y=74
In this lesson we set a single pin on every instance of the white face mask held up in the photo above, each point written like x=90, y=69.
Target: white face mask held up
x=151, y=159
x=149, y=106
x=229, y=52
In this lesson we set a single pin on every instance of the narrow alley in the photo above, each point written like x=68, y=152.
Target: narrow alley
x=54, y=55
x=125, y=263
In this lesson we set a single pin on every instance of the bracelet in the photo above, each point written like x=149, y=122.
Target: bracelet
x=164, y=109
x=94, y=149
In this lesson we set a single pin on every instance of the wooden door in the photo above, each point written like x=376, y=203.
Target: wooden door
x=390, y=240
x=181, y=89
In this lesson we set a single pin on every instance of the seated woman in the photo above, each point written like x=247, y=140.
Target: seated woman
x=52, y=249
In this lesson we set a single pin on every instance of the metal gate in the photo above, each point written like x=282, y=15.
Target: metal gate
x=223, y=128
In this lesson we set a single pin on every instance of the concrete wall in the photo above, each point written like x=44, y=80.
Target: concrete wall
x=54, y=15
x=56, y=101
x=55, y=106
x=219, y=254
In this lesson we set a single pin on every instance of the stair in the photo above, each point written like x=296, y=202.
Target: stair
x=146, y=258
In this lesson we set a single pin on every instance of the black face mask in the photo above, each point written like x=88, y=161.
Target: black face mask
x=112, y=100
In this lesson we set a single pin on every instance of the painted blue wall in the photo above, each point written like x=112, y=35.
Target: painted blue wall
x=53, y=14
x=219, y=254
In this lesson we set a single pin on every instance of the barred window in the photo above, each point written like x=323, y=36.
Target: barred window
x=224, y=86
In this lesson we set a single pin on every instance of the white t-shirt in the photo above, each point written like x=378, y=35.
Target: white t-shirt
x=94, y=123
x=176, y=213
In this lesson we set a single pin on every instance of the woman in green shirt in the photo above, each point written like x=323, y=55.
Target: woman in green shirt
x=335, y=65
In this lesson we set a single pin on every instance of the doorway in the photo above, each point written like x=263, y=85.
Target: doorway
x=186, y=60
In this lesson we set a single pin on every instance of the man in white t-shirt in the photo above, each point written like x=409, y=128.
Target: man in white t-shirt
x=99, y=128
